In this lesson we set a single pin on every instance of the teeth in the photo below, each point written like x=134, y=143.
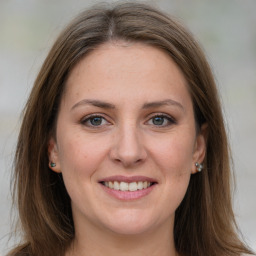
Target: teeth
x=133, y=186
x=140, y=185
x=125, y=186
x=110, y=184
x=116, y=185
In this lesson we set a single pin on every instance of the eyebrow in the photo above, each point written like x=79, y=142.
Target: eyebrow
x=163, y=103
x=96, y=103
x=106, y=105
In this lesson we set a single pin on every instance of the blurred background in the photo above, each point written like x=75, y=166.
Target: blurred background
x=225, y=29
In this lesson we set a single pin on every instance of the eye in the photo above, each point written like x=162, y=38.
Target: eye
x=94, y=121
x=161, y=120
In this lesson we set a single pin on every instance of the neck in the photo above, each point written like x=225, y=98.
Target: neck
x=95, y=241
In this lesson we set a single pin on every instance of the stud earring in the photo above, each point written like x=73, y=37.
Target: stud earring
x=199, y=167
x=52, y=164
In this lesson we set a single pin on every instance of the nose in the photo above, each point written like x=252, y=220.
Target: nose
x=128, y=148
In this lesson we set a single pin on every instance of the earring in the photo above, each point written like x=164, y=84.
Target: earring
x=52, y=164
x=199, y=167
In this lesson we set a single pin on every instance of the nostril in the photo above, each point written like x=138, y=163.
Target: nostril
x=128, y=162
x=128, y=148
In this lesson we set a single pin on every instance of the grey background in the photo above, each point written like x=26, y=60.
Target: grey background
x=226, y=29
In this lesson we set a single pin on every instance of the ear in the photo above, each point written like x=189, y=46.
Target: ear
x=200, y=147
x=53, y=156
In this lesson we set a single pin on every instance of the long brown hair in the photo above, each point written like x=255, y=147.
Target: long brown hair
x=204, y=222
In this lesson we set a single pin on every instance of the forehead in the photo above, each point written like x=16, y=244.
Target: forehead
x=126, y=69
x=125, y=56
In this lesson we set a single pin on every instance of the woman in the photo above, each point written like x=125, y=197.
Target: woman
x=122, y=149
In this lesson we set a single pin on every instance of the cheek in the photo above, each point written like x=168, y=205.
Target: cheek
x=175, y=158
x=80, y=155
x=174, y=153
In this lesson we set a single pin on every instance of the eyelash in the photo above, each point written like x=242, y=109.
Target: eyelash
x=89, y=118
x=170, y=120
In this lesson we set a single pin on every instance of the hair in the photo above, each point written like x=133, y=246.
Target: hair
x=204, y=221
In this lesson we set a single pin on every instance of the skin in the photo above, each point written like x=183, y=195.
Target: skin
x=132, y=138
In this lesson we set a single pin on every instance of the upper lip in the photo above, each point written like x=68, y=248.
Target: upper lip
x=128, y=179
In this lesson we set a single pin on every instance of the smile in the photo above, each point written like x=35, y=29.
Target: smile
x=127, y=186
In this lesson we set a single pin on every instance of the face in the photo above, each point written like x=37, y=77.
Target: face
x=126, y=142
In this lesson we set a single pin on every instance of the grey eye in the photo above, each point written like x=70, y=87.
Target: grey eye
x=95, y=121
x=161, y=121
x=158, y=120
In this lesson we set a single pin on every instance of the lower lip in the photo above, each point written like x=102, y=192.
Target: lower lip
x=128, y=195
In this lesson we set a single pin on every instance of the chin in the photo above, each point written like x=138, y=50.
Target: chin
x=129, y=229
x=130, y=224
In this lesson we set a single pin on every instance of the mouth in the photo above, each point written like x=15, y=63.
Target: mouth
x=127, y=186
